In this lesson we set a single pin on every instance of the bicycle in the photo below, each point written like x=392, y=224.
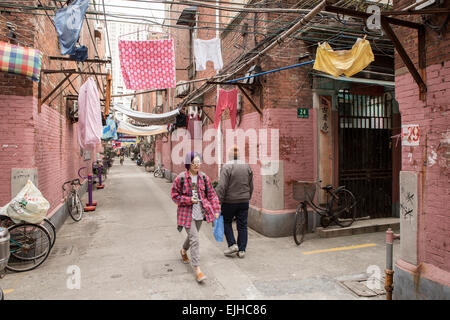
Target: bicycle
x=30, y=245
x=340, y=207
x=159, y=171
x=74, y=203
x=47, y=224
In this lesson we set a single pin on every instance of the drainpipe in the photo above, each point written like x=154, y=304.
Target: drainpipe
x=388, y=285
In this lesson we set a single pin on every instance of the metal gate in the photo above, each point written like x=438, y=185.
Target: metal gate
x=365, y=155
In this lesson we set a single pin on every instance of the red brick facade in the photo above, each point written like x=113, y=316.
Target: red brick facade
x=45, y=140
x=431, y=158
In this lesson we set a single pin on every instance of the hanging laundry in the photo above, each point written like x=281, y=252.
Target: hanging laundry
x=181, y=120
x=80, y=54
x=68, y=22
x=348, y=62
x=20, y=60
x=89, y=122
x=148, y=65
x=226, y=99
x=205, y=50
x=110, y=130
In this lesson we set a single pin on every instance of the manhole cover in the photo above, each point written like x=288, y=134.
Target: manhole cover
x=62, y=251
x=364, y=289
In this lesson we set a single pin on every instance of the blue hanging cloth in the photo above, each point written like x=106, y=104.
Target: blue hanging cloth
x=110, y=130
x=68, y=22
x=80, y=54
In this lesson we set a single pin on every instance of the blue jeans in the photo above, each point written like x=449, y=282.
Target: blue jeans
x=240, y=211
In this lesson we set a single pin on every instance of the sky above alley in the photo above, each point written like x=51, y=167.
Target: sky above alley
x=136, y=8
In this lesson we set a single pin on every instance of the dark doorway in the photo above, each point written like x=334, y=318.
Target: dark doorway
x=365, y=155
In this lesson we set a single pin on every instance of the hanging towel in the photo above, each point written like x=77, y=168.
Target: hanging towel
x=227, y=99
x=68, y=22
x=20, y=60
x=89, y=122
x=148, y=65
x=348, y=62
x=205, y=50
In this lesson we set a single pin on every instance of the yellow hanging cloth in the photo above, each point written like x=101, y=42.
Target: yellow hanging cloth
x=347, y=62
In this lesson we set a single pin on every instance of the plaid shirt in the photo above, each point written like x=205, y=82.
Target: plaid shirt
x=181, y=195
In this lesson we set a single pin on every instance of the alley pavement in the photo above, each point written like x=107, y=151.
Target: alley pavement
x=129, y=248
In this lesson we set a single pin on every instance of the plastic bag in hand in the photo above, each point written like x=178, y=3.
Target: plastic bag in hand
x=218, y=229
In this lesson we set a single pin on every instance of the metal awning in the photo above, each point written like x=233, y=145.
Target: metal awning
x=187, y=17
x=358, y=80
x=145, y=118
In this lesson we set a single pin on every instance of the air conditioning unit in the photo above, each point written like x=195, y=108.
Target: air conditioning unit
x=182, y=90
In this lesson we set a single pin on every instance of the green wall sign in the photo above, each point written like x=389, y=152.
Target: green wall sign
x=302, y=112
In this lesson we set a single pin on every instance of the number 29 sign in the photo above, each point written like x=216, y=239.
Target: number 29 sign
x=410, y=135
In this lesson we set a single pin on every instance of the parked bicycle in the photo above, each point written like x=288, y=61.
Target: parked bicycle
x=30, y=244
x=47, y=224
x=73, y=200
x=159, y=171
x=340, y=207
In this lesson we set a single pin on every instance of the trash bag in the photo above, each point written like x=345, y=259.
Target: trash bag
x=28, y=205
x=218, y=229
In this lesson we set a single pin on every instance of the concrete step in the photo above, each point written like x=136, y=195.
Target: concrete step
x=359, y=227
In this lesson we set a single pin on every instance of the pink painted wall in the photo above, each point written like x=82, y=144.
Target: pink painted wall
x=46, y=141
x=296, y=149
x=433, y=118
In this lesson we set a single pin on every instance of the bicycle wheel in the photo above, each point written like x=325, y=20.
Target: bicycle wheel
x=75, y=207
x=300, y=224
x=47, y=224
x=30, y=245
x=157, y=173
x=343, y=205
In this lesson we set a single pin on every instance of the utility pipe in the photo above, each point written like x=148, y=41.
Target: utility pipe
x=388, y=285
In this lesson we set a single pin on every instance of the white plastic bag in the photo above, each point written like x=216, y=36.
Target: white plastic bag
x=28, y=205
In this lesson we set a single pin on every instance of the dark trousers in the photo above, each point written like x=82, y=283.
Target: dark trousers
x=240, y=211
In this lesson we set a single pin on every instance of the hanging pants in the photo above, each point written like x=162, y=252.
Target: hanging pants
x=227, y=99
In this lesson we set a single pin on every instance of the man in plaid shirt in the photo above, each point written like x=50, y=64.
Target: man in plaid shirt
x=197, y=200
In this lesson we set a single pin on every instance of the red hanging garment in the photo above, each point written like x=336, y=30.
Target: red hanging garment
x=227, y=99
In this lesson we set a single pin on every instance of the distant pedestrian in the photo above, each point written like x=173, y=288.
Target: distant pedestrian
x=235, y=190
x=197, y=200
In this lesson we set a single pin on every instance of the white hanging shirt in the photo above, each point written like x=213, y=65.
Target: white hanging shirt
x=205, y=50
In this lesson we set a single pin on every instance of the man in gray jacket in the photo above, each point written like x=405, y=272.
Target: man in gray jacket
x=235, y=191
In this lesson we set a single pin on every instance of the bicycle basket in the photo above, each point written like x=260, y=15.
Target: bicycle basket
x=304, y=190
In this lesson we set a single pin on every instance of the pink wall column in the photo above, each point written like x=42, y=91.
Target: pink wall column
x=433, y=118
x=46, y=141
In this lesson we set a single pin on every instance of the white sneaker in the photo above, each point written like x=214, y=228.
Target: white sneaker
x=241, y=254
x=231, y=250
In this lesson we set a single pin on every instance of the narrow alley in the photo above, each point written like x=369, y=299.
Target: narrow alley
x=128, y=248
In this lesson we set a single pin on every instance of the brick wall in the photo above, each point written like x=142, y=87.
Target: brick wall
x=46, y=140
x=282, y=93
x=433, y=118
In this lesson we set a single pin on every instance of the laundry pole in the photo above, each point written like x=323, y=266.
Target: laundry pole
x=219, y=129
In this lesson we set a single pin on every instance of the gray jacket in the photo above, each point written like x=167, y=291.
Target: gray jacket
x=235, y=183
